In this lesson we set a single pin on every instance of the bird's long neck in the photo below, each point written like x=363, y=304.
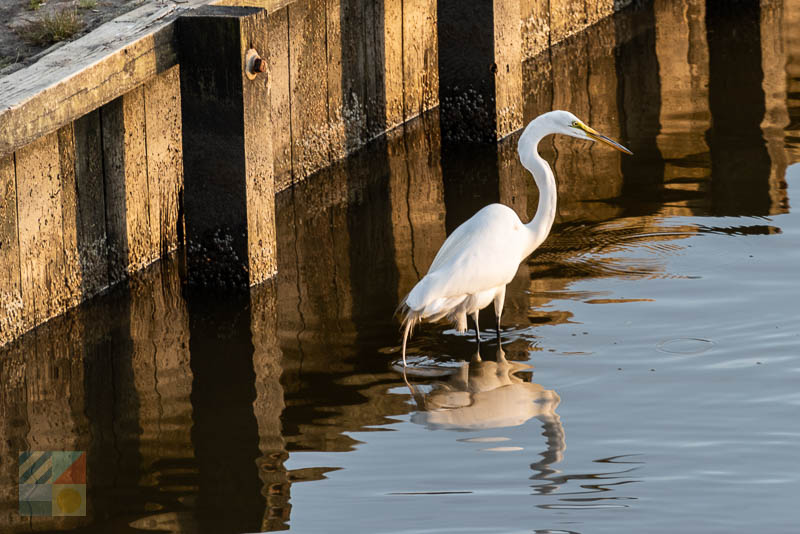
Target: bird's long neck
x=540, y=226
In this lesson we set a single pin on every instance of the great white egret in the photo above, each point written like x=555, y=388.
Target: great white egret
x=481, y=256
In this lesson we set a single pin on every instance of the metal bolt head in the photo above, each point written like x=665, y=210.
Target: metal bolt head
x=259, y=65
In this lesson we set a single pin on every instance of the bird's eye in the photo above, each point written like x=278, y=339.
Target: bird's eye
x=575, y=124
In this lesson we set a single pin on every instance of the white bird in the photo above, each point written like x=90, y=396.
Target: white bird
x=481, y=256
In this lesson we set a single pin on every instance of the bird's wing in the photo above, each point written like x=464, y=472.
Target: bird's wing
x=481, y=254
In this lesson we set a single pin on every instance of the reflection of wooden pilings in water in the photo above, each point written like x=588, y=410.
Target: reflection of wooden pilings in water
x=587, y=172
x=740, y=163
x=682, y=52
x=162, y=377
x=314, y=259
x=138, y=385
x=42, y=408
x=225, y=434
x=791, y=18
x=776, y=115
x=338, y=279
x=578, y=75
x=373, y=271
x=639, y=104
x=268, y=406
x=416, y=198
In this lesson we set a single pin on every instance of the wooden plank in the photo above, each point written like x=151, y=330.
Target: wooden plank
x=351, y=77
x=337, y=117
x=91, y=210
x=596, y=10
x=567, y=17
x=10, y=289
x=308, y=91
x=535, y=30
x=87, y=73
x=508, y=67
x=393, y=62
x=537, y=87
x=271, y=6
x=229, y=191
x=40, y=230
x=259, y=182
x=125, y=164
x=374, y=98
x=465, y=58
x=162, y=115
x=278, y=31
x=420, y=57
x=430, y=58
x=69, y=218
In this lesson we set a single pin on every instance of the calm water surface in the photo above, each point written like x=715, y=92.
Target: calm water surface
x=648, y=377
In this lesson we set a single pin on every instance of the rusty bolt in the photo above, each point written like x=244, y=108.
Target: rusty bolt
x=259, y=65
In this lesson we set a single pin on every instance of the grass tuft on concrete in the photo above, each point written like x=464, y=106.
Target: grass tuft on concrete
x=52, y=27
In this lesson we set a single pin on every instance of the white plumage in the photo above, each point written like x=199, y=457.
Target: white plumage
x=481, y=256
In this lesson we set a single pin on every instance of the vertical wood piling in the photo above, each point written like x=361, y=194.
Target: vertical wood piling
x=229, y=189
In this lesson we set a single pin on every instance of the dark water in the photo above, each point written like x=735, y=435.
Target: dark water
x=651, y=348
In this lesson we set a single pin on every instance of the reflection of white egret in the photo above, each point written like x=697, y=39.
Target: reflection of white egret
x=481, y=256
x=484, y=394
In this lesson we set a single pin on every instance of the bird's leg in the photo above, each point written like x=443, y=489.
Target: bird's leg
x=477, y=328
x=406, y=330
x=499, y=300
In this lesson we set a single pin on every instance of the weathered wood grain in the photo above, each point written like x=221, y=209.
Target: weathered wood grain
x=40, y=230
x=339, y=119
x=124, y=154
x=91, y=210
x=393, y=63
x=278, y=31
x=10, y=290
x=308, y=91
x=420, y=57
x=567, y=17
x=69, y=205
x=597, y=10
x=260, y=184
x=535, y=27
x=508, y=67
x=162, y=113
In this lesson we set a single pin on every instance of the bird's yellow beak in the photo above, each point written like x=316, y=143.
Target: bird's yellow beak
x=594, y=134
